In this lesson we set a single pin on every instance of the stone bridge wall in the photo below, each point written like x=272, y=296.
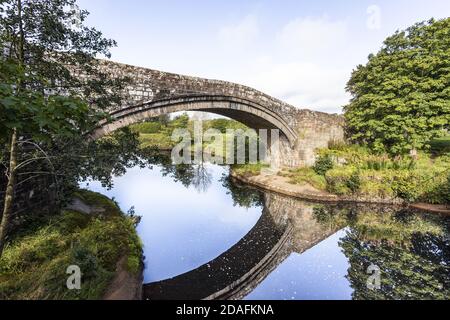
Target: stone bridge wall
x=307, y=231
x=153, y=92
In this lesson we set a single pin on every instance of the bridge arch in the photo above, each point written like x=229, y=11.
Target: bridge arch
x=245, y=111
x=151, y=93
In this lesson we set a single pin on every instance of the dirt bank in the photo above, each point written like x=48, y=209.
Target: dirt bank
x=282, y=185
x=125, y=285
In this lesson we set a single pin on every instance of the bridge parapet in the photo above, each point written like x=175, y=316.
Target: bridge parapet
x=149, y=85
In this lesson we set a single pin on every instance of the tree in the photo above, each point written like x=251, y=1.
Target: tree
x=418, y=271
x=242, y=195
x=44, y=47
x=401, y=97
x=411, y=250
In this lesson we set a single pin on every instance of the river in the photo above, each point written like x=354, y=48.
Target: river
x=208, y=236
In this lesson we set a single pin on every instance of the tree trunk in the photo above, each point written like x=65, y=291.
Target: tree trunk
x=9, y=194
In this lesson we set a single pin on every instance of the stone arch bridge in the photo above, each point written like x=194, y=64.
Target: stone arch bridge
x=152, y=93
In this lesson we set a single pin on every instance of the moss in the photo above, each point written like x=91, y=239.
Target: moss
x=98, y=200
x=133, y=264
x=34, y=265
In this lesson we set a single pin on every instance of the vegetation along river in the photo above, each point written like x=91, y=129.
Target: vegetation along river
x=208, y=236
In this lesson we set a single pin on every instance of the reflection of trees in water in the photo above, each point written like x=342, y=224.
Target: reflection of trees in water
x=108, y=157
x=113, y=156
x=412, y=251
x=242, y=195
x=196, y=175
x=420, y=271
x=202, y=178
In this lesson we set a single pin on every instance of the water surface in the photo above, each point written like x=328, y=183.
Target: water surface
x=202, y=231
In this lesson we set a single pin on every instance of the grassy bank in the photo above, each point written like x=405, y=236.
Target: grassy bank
x=248, y=169
x=34, y=264
x=350, y=171
x=354, y=172
x=158, y=134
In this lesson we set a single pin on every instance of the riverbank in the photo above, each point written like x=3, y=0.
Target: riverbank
x=282, y=185
x=92, y=234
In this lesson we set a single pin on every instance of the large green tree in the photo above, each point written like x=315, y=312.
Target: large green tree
x=401, y=97
x=44, y=47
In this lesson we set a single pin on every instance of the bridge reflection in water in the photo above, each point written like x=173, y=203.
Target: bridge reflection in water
x=412, y=249
x=286, y=225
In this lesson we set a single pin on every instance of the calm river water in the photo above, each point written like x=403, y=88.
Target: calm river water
x=206, y=235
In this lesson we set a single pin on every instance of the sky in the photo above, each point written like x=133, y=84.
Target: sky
x=302, y=52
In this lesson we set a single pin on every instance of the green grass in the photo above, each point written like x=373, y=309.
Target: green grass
x=34, y=264
x=248, y=170
x=146, y=127
x=157, y=135
x=423, y=179
x=380, y=226
x=159, y=140
x=302, y=176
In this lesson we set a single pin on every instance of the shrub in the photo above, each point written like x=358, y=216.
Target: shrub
x=378, y=163
x=86, y=260
x=34, y=265
x=147, y=127
x=354, y=182
x=440, y=145
x=337, y=145
x=358, y=171
x=376, y=188
x=406, y=188
x=323, y=164
x=307, y=175
x=445, y=191
x=337, y=179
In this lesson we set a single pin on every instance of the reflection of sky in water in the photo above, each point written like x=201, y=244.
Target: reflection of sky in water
x=318, y=273
x=181, y=228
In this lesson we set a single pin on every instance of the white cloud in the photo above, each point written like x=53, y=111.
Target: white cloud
x=312, y=37
x=302, y=84
x=306, y=63
x=241, y=33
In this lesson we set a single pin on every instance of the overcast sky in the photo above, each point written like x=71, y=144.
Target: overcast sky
x=299, y=51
